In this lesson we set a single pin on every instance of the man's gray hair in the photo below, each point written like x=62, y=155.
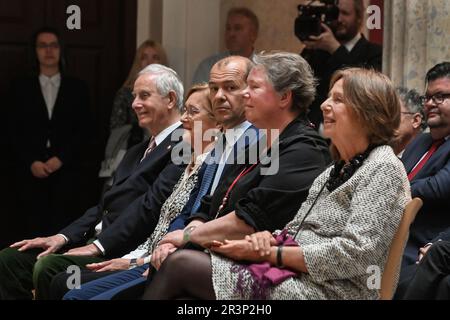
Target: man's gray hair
x=411, y=101
x=167, y=80
x=289, y=72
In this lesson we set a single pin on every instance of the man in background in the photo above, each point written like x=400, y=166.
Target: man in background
x=412, y=120
x=241, y=32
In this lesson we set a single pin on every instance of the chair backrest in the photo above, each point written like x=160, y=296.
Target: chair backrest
x=388, y=281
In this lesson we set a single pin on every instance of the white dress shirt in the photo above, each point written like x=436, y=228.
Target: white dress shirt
x=232, y=136
x=50, y=87
x=352, y=43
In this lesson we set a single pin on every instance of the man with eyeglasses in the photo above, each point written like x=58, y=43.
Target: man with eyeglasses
x=427, y=162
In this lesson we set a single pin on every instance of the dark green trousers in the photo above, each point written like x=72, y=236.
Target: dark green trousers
x=21, y=272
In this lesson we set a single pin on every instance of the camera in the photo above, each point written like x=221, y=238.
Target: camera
x=308, y=22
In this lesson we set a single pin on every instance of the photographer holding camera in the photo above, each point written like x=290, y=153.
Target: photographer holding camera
x=340, y=44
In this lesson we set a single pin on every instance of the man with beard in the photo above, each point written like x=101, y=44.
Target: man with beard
x=344, y=46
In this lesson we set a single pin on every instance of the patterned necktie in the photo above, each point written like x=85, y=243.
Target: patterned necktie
x=434, y=146
x=151, y=146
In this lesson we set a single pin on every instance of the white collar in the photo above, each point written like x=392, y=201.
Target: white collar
x=55, y=79
x=165, y=133
x=233, y=134
x=352, y=43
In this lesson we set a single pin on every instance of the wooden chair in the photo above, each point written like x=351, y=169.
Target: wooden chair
x=387, y=289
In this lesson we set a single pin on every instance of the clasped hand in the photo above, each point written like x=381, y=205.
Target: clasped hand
x=42, y=170
x=254, y=248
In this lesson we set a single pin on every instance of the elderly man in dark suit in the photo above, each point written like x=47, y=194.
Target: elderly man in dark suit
x=345, y=46
x=427, y=161
x=126, y=213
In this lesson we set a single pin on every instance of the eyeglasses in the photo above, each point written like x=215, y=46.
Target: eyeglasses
x=53, y=45
x=191, y=112
x=437, y=98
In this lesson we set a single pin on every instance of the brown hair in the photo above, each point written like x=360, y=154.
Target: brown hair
x=372, y=97
x=136, y=67
x=246, y=12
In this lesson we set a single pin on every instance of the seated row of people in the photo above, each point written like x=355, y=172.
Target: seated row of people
x=348, y=214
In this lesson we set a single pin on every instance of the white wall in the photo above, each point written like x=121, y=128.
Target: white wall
x=143, y=21
x=190, y=33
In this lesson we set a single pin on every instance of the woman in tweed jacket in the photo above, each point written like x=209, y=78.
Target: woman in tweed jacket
x=340, y=235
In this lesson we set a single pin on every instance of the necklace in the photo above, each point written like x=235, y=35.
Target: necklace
x=342, y=171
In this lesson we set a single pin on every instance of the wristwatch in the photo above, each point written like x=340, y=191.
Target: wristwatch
x=133, y=263
x=187, y=234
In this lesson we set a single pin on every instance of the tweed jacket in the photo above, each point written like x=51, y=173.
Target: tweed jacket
x=346, y=232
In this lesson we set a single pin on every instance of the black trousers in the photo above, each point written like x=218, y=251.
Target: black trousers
x=430, y=279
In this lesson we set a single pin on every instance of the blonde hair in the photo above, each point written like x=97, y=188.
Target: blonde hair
x=374, y=100
x=204, y=88
x=136, y=67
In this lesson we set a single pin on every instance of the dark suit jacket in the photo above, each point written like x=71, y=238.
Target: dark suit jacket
x=432, y=185
x=364, y=54
x=130, y=209
x=66, y=130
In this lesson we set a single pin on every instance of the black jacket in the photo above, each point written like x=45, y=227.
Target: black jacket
x=130, y=209
x=432, y=185
x=67, y=130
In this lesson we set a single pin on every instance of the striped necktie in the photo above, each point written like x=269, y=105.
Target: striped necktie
x=150, y=148
x=207, y=179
